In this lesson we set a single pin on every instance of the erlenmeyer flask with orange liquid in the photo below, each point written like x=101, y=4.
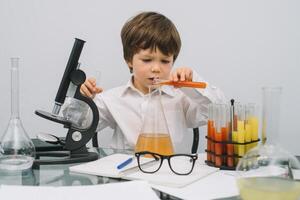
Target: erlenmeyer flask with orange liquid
x=154, y=135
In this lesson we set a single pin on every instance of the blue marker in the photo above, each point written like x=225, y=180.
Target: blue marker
x=125, y=163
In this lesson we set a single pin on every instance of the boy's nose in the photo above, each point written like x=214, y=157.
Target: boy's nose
x=155, y=69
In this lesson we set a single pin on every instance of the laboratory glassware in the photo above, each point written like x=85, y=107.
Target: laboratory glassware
x=266, y=171
x=18, y=151
x=154, y=135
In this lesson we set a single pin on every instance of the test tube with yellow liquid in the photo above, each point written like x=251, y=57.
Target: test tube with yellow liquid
x=154, y=135
x=240, y=129
x=217, y=134
x=251, y=126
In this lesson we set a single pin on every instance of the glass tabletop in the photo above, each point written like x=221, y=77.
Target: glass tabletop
x=59, y=174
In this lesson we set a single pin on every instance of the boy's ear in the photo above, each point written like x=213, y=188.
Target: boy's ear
x=130, y=66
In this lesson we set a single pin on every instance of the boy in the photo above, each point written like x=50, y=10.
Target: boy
x=151, y=44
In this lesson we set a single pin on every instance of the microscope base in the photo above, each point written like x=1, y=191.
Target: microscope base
x=63, y=157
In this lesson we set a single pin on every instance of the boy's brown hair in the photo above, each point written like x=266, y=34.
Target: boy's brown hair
x=150, y=30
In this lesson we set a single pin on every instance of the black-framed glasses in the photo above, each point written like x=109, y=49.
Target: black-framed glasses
x=180, y=164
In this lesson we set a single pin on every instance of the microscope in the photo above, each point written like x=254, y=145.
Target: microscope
x=74, y=148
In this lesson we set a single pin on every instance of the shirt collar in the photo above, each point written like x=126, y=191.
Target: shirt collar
x=130, y=87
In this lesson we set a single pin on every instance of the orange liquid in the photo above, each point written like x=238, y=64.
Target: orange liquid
x=209, y=134
x=212, y=144
x=230, y=161
x=218, y=149
x=184, y=84
x=224, y=132
x=155, y=142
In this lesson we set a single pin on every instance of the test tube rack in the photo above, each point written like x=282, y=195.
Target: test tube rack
x=231, y=152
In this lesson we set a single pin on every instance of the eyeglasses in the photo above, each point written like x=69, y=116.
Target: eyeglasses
x=180, y=164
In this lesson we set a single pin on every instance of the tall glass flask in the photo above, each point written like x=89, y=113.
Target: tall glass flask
x=17, y=151
x=154, y=135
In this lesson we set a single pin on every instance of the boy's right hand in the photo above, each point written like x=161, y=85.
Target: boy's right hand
x=89, y=88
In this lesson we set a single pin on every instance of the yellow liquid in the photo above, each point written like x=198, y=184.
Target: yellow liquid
x=268, y=188
x=157, y=143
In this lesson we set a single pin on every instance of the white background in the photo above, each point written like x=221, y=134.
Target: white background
x=238, y=46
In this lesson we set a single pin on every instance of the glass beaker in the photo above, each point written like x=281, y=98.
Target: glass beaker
x=154, y=135
x=265, y=172
x=18, y=151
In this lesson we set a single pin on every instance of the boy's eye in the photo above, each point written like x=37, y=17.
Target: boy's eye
x=165, y=61
x=146, y=60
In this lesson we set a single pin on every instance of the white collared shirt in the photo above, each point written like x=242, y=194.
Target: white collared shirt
x=122, y=109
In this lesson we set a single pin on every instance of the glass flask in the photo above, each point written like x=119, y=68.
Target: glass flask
x=154, y=135
x=17, y=149
x=265, y=171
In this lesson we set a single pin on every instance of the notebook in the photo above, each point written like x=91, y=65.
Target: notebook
x=107, y=166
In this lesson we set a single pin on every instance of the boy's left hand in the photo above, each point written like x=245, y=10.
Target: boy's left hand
x=181, y=74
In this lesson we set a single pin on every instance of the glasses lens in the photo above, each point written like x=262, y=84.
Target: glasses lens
x=149, y=163
x=181, y=164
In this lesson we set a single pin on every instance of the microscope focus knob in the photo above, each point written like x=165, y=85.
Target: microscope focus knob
x=78, y=77
x=76, y=136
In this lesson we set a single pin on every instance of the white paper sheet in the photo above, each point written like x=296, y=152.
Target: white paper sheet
x=216, y=185
x=123, y=190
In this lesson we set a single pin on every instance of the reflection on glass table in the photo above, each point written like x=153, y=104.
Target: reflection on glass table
x=57, y=175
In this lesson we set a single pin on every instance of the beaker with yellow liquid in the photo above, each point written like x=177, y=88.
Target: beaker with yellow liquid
x=154, y=135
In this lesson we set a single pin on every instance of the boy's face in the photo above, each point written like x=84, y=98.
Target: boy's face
x=148, y=65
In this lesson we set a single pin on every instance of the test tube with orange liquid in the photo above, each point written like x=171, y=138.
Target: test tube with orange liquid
x=190, y=84
x=221, y=117
x=210, y=134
